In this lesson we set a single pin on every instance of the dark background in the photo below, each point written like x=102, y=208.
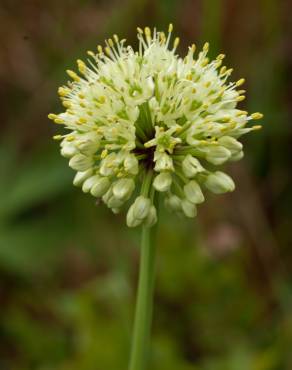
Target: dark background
x=68, y=269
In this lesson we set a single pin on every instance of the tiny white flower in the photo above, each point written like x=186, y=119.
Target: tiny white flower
x=193, y=192
x=100, y=187
x=219, y=183
x=218, y=154
x=80, y=177
x=141, y=207
x=89, y=183
x=173, y=203
x=80, y=162
x=189, y=208
x=123, y=188
x=191, y=166
x=162, y=182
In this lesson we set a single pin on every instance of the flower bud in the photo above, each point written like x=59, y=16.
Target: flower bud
x=131, y=220
x=131, y=164
x=162, y=181
x=108, y=165
x=151, y=218
x=218, y=154
x=123, y=188
x=107, y=195
x=163, y=162
x=173, y=203
x=114, y=202
x=191, y=166
x=80, y=177
x=193, y=192
x=189, y=209
x=88, y=183
x=80, y=162
x=219, y=183
x=88, y=147
x=68, y=149
x=230, y=143
x=141, y=207
x=100, y=187
x=237, y=156
x=149, y=86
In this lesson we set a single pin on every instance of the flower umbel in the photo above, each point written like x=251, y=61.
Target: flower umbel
x=148, y=121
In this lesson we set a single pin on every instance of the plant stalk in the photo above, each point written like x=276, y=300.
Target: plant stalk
x=143, y=316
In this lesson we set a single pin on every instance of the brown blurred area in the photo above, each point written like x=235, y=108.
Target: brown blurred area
x=68, y=269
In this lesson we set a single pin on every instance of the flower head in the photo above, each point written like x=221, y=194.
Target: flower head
x=148, y=121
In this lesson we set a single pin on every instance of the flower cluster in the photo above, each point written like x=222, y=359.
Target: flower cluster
x=148, y=121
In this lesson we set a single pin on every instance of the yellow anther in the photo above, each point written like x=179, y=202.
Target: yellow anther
x=193, y=48
x=66, y=104
x=206, y=47
x=176, y=42
x=170, y=28
x=104, y=153
x=140, y=30
x=52, y=116
x=101, y=99
x=257, y=127
x=240, y=82
x=208, y=84
x=57, y=137
x=81, y=96
x=162, y=37
x=120, y=174
x=90, y=53
x=116, y=38
x=220, y=56
x=111, y=43
x=99, y=49
x=147, y=32
x=240, y=92
x=205, y=62
x=59, y=121
x=240, y=98
x=257, y=115
x=241, y=113
x=223, y=70
x=226, y=119
x=107, y=50
x=81, y=66
x=73, y=75
x=62, y=91
x=90, y=113
x=82, y=105
x=229, y=71
x=70, y=138
x=194, y=90
x=82, y=120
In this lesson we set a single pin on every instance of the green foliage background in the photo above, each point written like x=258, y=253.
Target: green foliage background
x=68, y=268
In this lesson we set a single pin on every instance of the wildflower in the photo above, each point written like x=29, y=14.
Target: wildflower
x=148, y=121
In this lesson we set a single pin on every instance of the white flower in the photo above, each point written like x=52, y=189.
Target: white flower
x=148, y=120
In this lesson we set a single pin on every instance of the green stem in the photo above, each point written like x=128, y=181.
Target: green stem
x=143, y=315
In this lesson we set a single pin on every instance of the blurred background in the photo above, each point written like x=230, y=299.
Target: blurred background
x=68, y=269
